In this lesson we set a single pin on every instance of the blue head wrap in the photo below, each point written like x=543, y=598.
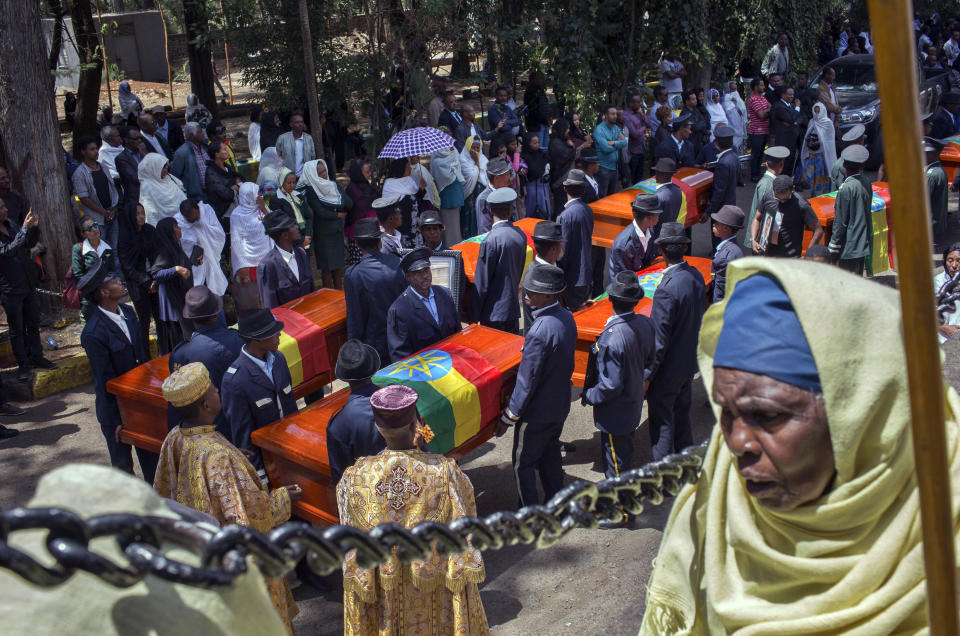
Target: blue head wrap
x=762, y=334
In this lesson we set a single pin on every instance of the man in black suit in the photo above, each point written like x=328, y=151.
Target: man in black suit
x=676, y=314
x=500, y=266
x=127, y=163
x=699, y=125
x=785, y=120
x=468, y=128
x=284, y=274
x=424, y=313
x=212, y=343
x=111, y=340
x=576, y=223
x=170, y=130
x=370, y=287
x=947, y=122
x=589, y=163
x=449, y=117
x=725, y=176
x=669, y=193
x=352, y=433
x=678, y=147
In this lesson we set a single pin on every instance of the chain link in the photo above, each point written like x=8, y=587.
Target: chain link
x=223, y=552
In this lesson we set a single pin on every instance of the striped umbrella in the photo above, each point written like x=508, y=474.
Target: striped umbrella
x=415, y=141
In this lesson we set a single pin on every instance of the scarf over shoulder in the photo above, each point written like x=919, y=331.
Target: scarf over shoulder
x=849, y=562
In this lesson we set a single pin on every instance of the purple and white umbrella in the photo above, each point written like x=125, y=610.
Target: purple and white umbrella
x=415, y=141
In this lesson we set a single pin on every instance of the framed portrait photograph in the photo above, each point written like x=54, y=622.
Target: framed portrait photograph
x=446, y=266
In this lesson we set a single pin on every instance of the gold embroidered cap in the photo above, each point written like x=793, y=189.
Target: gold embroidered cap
x=186, y=384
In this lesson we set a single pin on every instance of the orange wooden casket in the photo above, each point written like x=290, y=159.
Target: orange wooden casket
x=140, y=399
x=295, y=448
x=950, y=157
x=613, y=213
x=823, y=208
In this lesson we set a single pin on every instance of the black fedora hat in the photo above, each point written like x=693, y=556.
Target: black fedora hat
x=200, y=302
x=277, y=221
x=665, y=165
x=368, y=228
x=953, y=97
x=548, y=231
x=589, y=156
x=356, y=361
x=258, y=324
x=430, y=217
x=544, y=279
x=647, y=204
x=96, y=276
x=625, y=286
x=729, y=215
x=672, y=233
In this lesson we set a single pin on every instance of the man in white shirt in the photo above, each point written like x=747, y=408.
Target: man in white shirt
x=952, y=48
x=112, y=146
x=148, y=131
x=633, y=249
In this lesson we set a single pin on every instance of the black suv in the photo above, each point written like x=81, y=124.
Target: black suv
x=856, y=90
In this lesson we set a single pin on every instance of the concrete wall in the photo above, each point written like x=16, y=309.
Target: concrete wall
x=136, y=44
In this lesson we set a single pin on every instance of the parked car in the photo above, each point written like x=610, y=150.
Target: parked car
x=856, y=90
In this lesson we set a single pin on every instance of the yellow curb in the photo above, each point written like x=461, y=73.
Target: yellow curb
x=70, y=373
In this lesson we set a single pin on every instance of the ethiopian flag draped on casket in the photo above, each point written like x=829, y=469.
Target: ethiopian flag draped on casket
x=688, y=203
x=459, y=391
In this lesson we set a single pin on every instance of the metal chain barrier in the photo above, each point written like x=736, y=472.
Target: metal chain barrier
x=223, y=553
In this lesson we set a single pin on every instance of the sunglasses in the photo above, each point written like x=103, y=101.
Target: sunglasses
x=92, y=226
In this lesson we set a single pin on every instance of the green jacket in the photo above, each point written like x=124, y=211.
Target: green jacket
x=852, y=225
x=764, y=186
x=837, y=174
x=325, y=215
x=938, y=187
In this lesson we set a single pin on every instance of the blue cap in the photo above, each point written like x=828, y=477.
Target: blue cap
x=761, y=334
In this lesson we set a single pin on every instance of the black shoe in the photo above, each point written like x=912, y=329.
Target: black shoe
x=24, y=374
x=10, y=409
x=7, y=433
x=43, y=363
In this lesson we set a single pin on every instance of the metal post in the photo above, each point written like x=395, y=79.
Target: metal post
x=166, y=52
x=894, y=53
x=226, y=53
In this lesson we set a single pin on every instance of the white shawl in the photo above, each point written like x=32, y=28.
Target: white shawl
x=821, y=124
x=270, y=164
x=718, y=115
x=208, y=234
x=419, y=171
x=249, y=242
x=736, y=112
x=403, y=187
x=472, y=173
x=160, y=197
x=253, y=141
x=325, y=189
x=445, y=167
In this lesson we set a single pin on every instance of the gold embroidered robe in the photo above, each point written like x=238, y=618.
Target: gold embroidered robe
x=434, y=597
x=200, y=469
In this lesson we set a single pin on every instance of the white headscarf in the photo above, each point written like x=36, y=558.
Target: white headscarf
x=445, y=167
x=326, y=189
x=270, y=164
x=736, y=112
x=472, y=172
x=821, y=124
x=419, y=171
x=717, y=115
x=208, y=234
x=249, y=242
x=253, y=140
x=160, y=197
x=292, y=198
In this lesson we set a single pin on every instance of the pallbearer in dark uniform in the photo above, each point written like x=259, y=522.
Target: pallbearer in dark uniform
x=548, y=245
x=111, y=340
x=677, y=311
x=668, y=192
x=541, y=398
x=726, y=223
x=284, y=274
x=726, y=174
x=589, y=164
x=634, y=249
x=351, y=433
x=212, y=343
x=500, y=266
x=620, y=355
x=257, y=389
x=423, y=314
x=576, y=223
x=431, y=230
x=678, y=146
x=370, y=288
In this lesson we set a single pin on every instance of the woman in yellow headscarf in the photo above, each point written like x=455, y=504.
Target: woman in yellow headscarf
x=805, y=519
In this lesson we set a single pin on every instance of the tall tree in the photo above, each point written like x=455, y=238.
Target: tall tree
x=33, y=152
x=91, y=67
x=310, y=78
x=196, y=20
x=56, y=43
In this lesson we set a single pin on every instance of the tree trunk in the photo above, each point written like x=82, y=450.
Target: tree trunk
x=33, y=152
x=198, y=53
x=698, y=75
x=310, y=81
x=56, y=43
x=118, y=6
x=91, y=69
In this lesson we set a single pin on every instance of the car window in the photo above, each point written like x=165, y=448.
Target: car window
x=852, y=77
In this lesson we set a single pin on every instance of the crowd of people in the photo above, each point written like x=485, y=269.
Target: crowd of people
x=167, y=220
